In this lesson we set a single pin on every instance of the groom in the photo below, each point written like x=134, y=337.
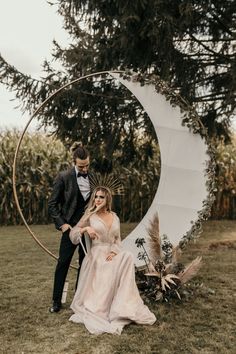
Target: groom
x=70, y=195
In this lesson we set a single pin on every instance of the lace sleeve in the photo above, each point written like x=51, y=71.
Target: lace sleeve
x=75, y=232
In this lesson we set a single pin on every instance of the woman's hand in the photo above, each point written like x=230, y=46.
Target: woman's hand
x=91, y=232
x=100, y=206
x=110, y=256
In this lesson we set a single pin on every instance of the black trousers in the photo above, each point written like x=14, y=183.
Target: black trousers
x=66, y=251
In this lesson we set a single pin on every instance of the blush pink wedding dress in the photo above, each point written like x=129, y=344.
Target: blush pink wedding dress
x=107, y=296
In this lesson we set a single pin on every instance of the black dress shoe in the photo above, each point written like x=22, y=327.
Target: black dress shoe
x=55, y=307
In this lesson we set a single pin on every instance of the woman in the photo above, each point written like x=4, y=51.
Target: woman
x=107, y=297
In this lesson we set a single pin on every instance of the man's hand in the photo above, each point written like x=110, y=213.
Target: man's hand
x=110, y=256
x=65, y=227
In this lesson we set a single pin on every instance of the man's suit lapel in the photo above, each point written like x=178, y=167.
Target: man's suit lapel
x=75, y=186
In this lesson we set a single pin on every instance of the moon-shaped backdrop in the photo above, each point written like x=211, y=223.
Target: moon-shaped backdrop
x=182, y=186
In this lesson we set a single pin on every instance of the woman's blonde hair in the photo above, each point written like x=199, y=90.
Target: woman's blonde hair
x=91, y=208
x=108, y=196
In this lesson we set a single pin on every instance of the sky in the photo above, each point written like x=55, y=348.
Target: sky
x=27, y=29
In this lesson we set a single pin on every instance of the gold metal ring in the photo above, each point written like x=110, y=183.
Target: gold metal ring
x=18, y=148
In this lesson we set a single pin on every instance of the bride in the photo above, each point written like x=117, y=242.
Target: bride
x=107, y=296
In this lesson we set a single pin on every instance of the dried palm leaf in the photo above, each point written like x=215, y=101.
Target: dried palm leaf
x=165, y=280
x=177, y=293
x=190, y=271
x=164, y=284
x=154, y=239
x=170, y=277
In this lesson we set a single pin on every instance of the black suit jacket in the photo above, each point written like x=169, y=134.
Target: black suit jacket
x=66, y=198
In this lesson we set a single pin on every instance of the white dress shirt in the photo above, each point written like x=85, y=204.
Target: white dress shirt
x=83, y=184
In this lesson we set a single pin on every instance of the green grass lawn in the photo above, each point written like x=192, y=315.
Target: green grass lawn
x=203, y=323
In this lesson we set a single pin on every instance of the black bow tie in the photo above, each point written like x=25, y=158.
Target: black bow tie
x=82, y=175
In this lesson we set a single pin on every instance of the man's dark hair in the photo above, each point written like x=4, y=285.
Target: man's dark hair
x=79, y=151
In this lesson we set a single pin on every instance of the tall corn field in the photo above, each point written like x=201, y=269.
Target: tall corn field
x=225, y=203
x=41, y=157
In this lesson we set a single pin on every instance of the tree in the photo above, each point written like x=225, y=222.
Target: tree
x=188, y=43
x=101, y=113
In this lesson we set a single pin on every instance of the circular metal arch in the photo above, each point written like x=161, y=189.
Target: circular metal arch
x=183, y=182
x=18, y=148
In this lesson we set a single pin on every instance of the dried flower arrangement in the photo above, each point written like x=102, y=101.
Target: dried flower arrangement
x=163, y=276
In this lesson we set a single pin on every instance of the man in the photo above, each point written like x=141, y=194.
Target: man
x=70, y=195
